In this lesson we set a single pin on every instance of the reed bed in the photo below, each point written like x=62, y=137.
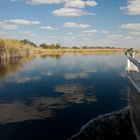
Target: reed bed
x=11, y=48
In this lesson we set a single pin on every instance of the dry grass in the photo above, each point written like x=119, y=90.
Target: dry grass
x=14, y=48
x=81, y=50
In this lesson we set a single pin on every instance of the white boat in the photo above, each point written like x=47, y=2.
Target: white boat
x=133, y=74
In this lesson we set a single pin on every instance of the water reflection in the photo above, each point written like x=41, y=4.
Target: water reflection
x=43, y=107
x=18, y=111
x=75, y=93
x=80, y=75
x=71, y=87
x=57, y=56
x=24, y=79
x=8, y=67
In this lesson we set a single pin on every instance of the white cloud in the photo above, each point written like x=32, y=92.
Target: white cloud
x=67, y=3
x=3, y=34
x=132, y=8
x=28, y=33
x=129, y=37
x=91, y=3
x=75, y=4
x=8, y=26
x=25, y=32
x=71, y=7
x=77, y=25
x=52, y=37
x=70, y=12
x=4, y=25
x=136, y=34
x=16, y=0
x=70, y=33
x=13, y=23
x=86, y=35
x=131, y=26
x=90, y=31
x=44, y=1
x=79, y=3
x=104, y=32
x=115, y=36
x=119, y=40
x=48, y=27
x=24, y=22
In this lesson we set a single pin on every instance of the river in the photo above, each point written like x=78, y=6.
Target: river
x=51, y=97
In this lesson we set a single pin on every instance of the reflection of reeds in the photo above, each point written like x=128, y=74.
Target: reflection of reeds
x=8, y=67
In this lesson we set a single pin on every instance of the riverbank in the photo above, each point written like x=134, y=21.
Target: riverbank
x=83, y=51
x=113, y=126
x=11, y=48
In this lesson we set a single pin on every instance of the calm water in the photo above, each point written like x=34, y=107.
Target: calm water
x=51, y=97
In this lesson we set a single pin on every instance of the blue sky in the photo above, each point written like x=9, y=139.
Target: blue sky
x=114, y=23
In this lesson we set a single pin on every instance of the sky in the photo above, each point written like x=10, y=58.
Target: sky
x=114, y=23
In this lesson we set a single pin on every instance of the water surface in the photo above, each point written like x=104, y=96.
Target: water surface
x=52, y=97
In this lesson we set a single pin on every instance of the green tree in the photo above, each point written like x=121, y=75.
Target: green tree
x=25, y=41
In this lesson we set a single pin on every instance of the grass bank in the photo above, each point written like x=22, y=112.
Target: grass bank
x=81, y=50
x=11, y=48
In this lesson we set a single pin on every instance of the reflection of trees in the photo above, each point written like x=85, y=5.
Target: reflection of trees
x=8, y=67
x=56, y=56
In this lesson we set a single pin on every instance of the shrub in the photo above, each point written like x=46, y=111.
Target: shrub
x=2, y=46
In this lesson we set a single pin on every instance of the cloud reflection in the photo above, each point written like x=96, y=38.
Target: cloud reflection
x=75, y=93
x=43, y=107
x=38, y=108
x=48, y=103
x=18, y=111
x=80, y=75
x=70, y=93
x=25, y=79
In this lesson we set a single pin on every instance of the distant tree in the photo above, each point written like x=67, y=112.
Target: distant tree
x=51, y=46
x=45, y=46
x=2, y=45
x=74, y=47
x=84, y=47
x=107, y=47
x=58, y=45
x=25, y=41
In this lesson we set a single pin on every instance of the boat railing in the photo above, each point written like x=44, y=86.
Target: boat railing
x=132, y=65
